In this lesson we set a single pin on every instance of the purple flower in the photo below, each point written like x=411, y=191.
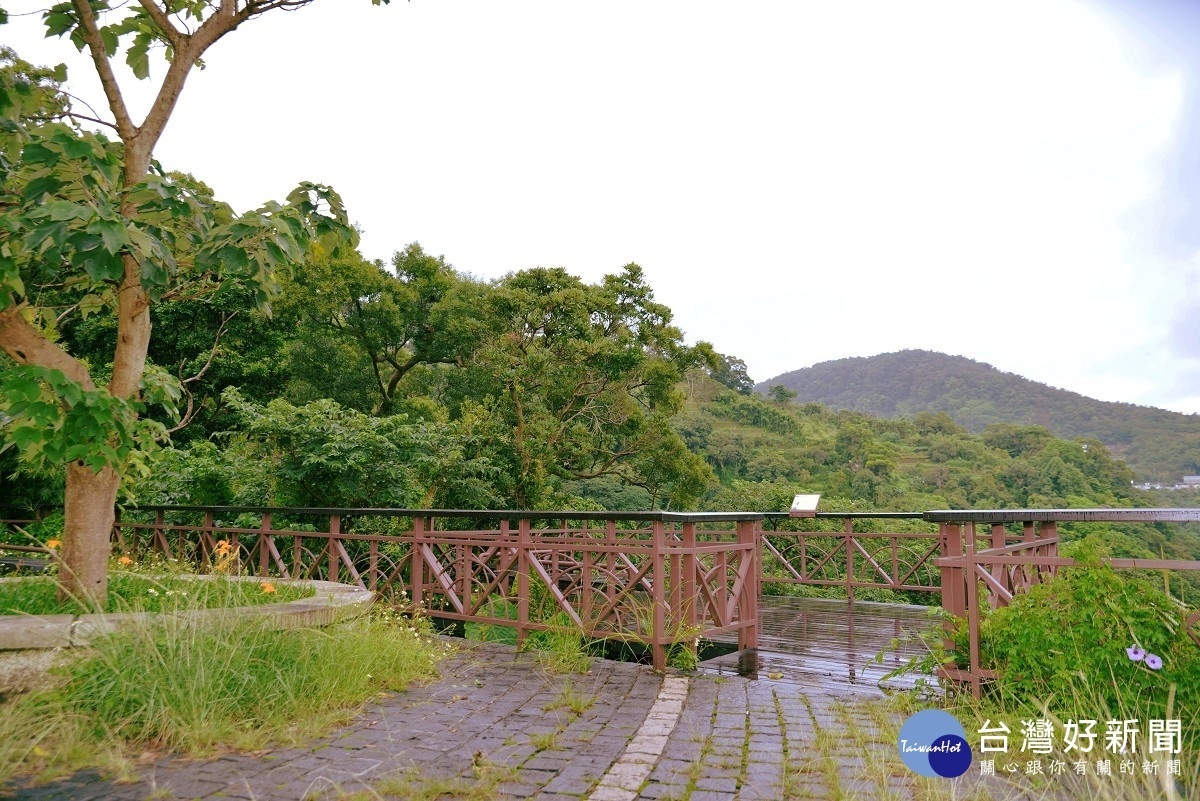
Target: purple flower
x=1153, y=662
x=1137, y=654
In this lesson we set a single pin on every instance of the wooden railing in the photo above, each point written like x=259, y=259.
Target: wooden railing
x=992, y=565
x=659, y=578
x=663, y=579
x=847, y=557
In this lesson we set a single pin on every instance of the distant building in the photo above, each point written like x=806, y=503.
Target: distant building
x=1188, y=483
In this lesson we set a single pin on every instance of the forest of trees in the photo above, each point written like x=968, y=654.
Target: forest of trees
x=1159, y=445
x=413, y=384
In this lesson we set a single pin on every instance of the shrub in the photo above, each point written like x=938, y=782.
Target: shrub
x=1072, y=633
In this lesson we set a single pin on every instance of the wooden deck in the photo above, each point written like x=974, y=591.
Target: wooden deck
x=830, y=646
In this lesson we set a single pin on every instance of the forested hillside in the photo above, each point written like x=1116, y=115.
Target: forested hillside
x=763, y=451
x=1158, y=445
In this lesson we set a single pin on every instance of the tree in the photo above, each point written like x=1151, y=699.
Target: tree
x=91, y=225
x=781, y=394
x=393, y=321
x=578, y=381
x=731, y=372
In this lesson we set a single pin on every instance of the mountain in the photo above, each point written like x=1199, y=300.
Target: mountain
x=1158, y=445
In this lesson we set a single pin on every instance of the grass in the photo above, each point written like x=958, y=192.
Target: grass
x=1083, y=701
x=573, y=702
x=859, y=750
x=136, y=592
x=560, y=649
x=199, y=689
x=411, y=785
x=544, y=741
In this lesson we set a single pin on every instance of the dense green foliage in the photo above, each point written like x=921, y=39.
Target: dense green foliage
x=418, y=386
x=1069, y=637
x=1159, y=445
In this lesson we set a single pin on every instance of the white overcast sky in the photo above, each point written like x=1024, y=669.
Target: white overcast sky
x=1013, y=181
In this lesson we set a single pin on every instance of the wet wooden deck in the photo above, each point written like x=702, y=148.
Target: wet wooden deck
x=829, y=646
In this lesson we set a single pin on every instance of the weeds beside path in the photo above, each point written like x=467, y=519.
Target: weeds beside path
x=175, y=685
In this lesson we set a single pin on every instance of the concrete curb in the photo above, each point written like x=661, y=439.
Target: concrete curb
x=624, y=779
x=332, y=602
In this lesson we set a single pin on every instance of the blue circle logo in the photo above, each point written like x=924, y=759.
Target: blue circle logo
x=933, y=743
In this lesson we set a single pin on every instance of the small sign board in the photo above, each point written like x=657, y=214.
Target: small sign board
x=804, y=506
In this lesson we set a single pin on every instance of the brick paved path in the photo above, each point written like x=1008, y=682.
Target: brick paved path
x=495, y=720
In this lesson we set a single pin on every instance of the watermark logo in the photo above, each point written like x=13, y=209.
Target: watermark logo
x=933, y=743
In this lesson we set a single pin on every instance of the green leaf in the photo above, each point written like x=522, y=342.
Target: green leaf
x=138, y=57
x=39, y=187
x=10, y=280
x=98, y=264
x=28, y=436
x=112, y=233
x=75, y=148
x=59, y=20
x=22, y=388
x=109, y=37
x=65, y=210
x=38, y=153
x=234, y=259
x=41, y=239
x=90, y=304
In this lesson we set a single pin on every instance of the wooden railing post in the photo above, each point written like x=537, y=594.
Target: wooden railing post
x=849, y=540
x=524, y=543
x=999, y=540
x=204, y=557
x=953, y=600
x=333, y=567
x=658, y=634
x=973, y=612
x=264, y=547
x=749, y=535
x=158, y=542
x=690, y=603
x=373, y=565
x=417, y=563
x=117, y=536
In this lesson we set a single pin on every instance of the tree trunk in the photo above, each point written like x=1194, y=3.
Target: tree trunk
x=87, y=533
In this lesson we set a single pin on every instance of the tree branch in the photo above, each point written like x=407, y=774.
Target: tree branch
x=188, y=50
x=77, y=116
x=108, y=80
x=190, y=413
x=26, y=345
x=212, y=353
x=160, y=18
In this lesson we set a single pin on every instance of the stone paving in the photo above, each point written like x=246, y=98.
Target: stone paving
x=496, y=719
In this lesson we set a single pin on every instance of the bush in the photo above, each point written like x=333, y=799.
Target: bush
x=1070, y=634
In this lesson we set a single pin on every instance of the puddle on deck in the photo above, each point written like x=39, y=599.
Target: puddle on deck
x=826, y=645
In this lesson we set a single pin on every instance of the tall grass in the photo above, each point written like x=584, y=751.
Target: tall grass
x=1087, y=701
x=140, y=592
x=196, y=688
